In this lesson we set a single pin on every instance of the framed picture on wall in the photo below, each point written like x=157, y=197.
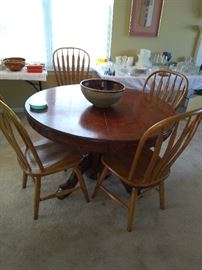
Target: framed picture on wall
x=145, y=17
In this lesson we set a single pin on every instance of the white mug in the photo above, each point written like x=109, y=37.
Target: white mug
x=129, y=61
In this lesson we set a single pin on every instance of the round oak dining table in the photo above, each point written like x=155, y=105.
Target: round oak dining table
x=71, y=119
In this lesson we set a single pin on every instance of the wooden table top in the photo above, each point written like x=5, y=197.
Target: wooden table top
x=70, y=118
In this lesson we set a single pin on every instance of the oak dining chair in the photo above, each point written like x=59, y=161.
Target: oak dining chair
x=71, y=65
x=148, y=167
x=170, y=86
x=40, y=158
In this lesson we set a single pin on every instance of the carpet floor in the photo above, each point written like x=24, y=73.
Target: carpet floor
x=71, y=234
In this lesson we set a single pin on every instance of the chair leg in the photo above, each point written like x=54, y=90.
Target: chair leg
x=100, y=181
x=37, y=193
x=162, y=195
x=82, y=183
x=131, y=208
x=24, y=180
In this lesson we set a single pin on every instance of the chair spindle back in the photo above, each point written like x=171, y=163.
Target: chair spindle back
x=182, y=128
x=18, y=137
x=71, y=65
x=170, y=86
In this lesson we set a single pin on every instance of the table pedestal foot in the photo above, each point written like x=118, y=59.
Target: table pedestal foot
x=90, y=165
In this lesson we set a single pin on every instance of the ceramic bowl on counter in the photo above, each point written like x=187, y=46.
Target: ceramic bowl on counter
x=14, y=63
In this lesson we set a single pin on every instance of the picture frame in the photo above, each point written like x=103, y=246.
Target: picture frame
x=145, y=17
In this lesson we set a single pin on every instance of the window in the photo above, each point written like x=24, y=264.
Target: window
x=34, y=28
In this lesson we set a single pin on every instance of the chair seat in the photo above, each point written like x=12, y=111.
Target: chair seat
x=121, y=162
x=52, y=156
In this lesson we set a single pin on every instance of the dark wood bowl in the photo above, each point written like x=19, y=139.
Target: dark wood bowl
x=14, y=63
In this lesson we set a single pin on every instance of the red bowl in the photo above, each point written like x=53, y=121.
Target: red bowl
x=34, y=68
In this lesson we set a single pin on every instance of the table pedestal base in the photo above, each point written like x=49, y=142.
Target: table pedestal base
x=90, y=166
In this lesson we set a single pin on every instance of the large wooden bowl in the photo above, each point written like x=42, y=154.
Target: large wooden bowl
x=102, y=93
x=14, y=63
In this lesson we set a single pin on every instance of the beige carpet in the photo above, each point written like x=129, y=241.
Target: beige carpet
x=72, y=234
